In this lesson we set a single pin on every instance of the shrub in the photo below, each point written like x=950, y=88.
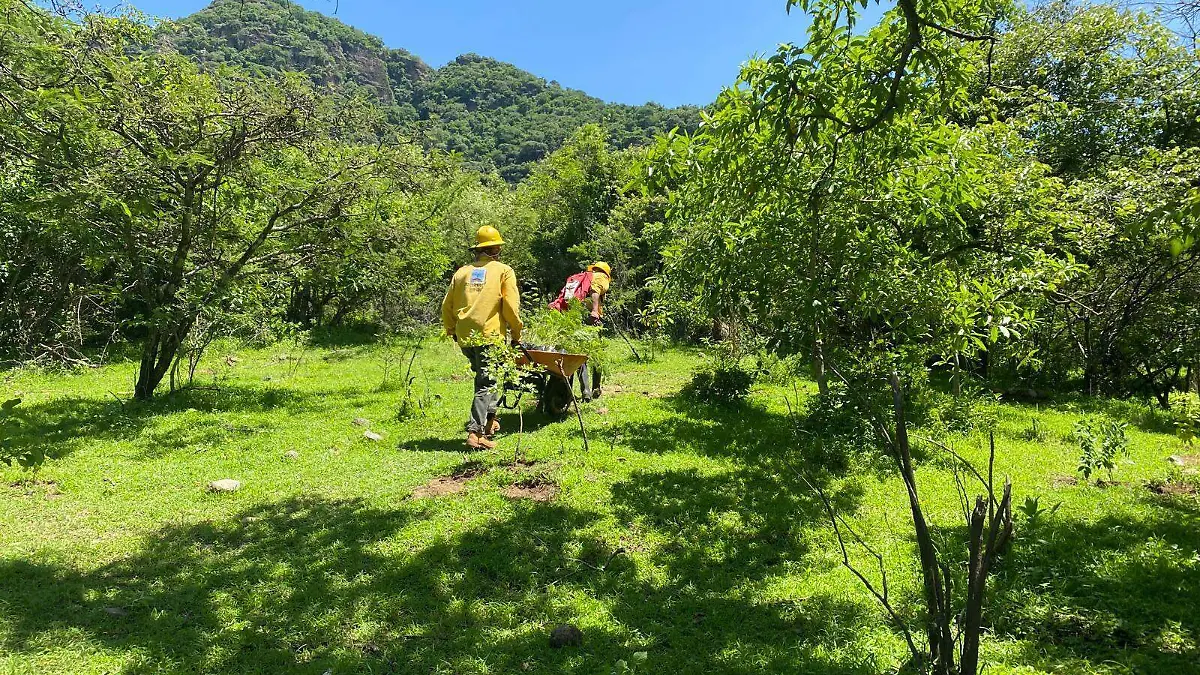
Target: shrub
x=940, y=413
x=775, y=369
x=1187, y=422
x=1100, y=441
x=722, y=384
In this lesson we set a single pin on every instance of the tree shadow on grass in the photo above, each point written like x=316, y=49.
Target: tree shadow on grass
x=510, y=427
x=311, y=585
x=1146, y=416
x=781, y=445
x=725, y=534
x=729, y=530
x=343, y=336
x=61, y=426
x=1115, y=590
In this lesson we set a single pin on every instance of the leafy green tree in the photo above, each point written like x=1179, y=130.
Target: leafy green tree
x=1106, y=96
x=831, y=203
x=1090, y=84
x=193, y=184
x=572, y=192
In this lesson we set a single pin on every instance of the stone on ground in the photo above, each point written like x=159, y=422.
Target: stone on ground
x=225, y=485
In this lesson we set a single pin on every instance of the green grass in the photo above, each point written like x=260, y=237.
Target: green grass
x=684, y=533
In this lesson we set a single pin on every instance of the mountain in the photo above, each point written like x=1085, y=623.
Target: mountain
x=498, y=116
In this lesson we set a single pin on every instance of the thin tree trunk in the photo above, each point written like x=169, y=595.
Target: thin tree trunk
x=976, y=585
x=158, y=355
x=818, y=360
x=818, y=368
x=941, y=642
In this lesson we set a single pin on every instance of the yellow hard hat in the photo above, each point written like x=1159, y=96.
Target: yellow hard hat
x=488, y=236
x=600, y=267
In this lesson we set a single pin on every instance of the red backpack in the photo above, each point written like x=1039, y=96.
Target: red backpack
x=579, y=287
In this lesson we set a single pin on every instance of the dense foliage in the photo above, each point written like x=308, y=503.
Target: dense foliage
x=1000, y=194
x=175, y=200
x=989, y=205
x=498, y=116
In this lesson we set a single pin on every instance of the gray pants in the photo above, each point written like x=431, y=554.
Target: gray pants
x=585, y=383
x=484, y=404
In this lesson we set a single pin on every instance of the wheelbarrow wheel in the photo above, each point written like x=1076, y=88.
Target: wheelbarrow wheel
x=556, y=396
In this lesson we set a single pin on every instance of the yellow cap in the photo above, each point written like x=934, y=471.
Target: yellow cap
x=488, y=236
x=600, y=267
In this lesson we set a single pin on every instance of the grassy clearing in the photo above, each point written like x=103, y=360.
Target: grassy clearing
x=682, y=533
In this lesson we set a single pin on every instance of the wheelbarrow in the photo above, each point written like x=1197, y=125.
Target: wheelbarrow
x=551, y=372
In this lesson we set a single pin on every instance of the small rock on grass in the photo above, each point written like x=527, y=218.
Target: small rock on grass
x=362, y=422
x=225, y=485
x=372, y=436
x=566, y=635
x=291, y=454
x=115, y=611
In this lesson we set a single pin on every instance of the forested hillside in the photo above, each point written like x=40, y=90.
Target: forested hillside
x=498, y=116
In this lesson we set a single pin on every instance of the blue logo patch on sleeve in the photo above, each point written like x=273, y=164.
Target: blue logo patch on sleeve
x=478, y=276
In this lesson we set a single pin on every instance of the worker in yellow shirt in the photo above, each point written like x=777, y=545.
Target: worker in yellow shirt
x=601, y=281
x=591, y=288
x=482, y=308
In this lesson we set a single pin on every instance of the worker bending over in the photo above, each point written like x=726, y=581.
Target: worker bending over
x=590, y=287
x=482, y=308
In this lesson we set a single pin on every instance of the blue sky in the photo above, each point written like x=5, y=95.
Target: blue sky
x=631, y=51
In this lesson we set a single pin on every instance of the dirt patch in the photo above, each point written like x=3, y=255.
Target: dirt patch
x=1185, y=460
x=537, y=489
x=46, y=488
x=440, y=487
x=1060, y=481
x=1174, y=488
x=468, y=470
x=453, y=484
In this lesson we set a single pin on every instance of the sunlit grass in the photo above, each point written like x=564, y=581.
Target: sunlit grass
x=683, y=532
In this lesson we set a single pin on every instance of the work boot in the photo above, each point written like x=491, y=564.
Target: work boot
x=477, y=442
x=493, y=427
x=596, y=392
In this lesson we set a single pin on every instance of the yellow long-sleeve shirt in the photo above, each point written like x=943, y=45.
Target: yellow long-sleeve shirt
x=483, y=303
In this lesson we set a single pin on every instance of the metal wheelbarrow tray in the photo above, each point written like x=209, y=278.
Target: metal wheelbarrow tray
x=561, y=364
x=554, y=372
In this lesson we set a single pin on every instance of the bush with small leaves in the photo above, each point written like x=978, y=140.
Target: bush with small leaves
x=727, y=384
x=1100, y=441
